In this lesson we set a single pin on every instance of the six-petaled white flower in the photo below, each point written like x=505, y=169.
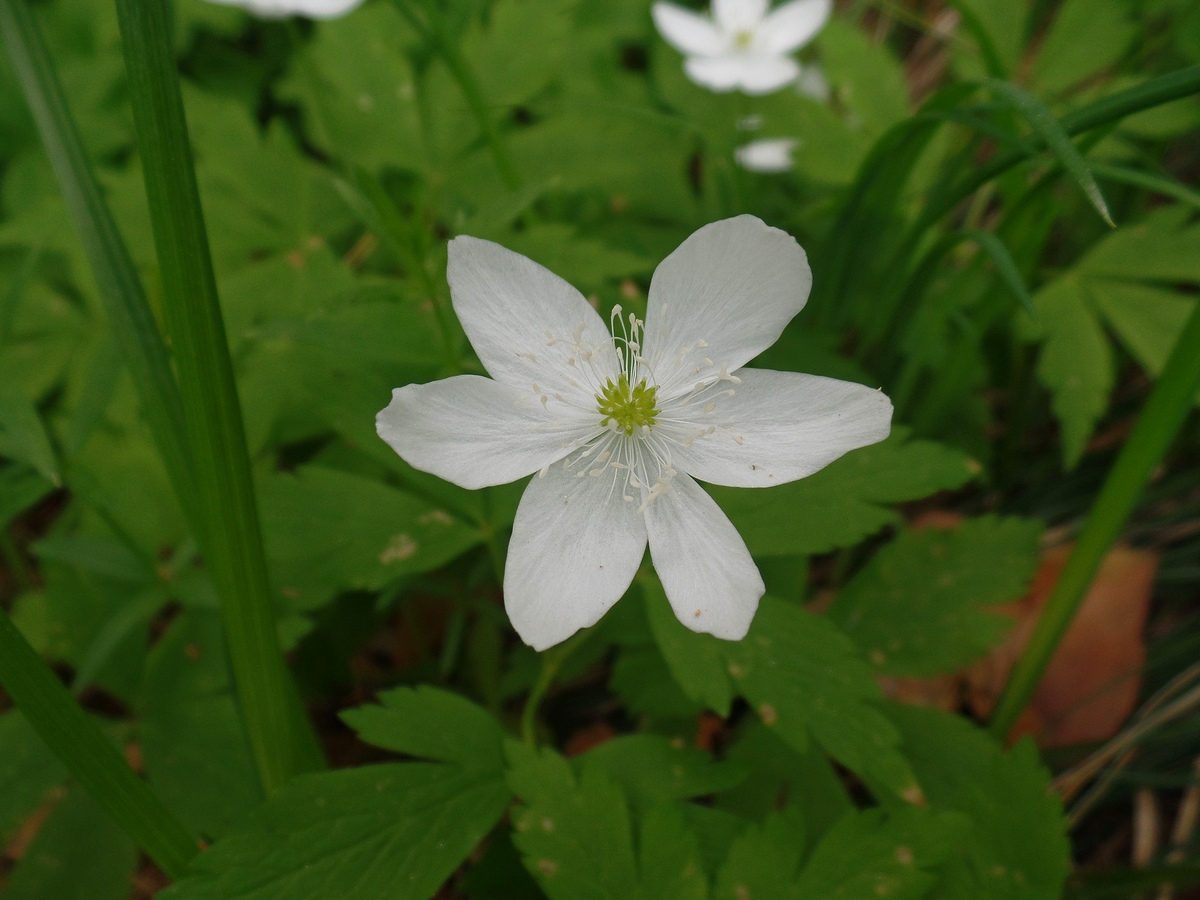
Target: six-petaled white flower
x=617, y=425
x=278, y=9
x=742, y=45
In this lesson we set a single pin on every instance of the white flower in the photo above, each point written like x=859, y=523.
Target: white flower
x=616, y=426
x=278, y=9
x=742, y=45
x=766, y=154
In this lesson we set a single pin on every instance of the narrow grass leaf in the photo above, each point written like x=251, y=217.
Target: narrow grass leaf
x=1051, y=130
x=1158, y=184
x=1006, y=267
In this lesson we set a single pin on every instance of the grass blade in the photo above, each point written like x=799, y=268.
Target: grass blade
x=229, y=529
x=1156, y=427
x=1051, y=131
x=116, y=278
x=1157, y=184
x=90, y=756
x=1006, y=266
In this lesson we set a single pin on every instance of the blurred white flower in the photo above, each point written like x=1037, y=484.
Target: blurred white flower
x=280, y=9
x=742, y=45
x=813, y=83
x=766, y=155
x=617, y=425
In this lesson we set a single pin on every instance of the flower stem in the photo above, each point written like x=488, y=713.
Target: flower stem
x=282, y=742
x=552, y=662
x=89, y=755
x=1156, y=427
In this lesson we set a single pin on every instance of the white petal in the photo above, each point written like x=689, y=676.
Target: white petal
x=766, y=155
x=720, y=299
x=527, y=324
x=762, y=74
x=775, y=428
x=813, y=83
x=717, y=73
x=739, y=15
x=702, y=561
x=476, y=432
x=576, y=546
x=276, y=9
x=688, y=32
x=791, y=26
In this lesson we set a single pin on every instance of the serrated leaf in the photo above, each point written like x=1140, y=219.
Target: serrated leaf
x=577, y=836
x=650, y=768
x=806, y=681
x=1148, y=320
x=328, y=530
x=765, y=858
x=1085, y=37
x=1162, y=247
x=1049, y=129
x=375, y=831
x=23, y=437
x=920, y=606
x=697, y=661
x=359, y=88
x=540, y=27
x=1076, y=363
x=1018, y=845
x=873, y=854
x=193, y=744
x=28, y=772
x=846, y=501
x=432, y=724
x=78, y=838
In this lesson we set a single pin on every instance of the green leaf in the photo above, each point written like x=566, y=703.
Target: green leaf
x=577, y=836
x=20, y=488
x=844, y=502
x=431, y=724
x=1006, y=267
x=873, y=854
x=1148, y=320
x=807, y=682
x=28, y=772
x=1018, y=845
x=1162, y=247
x=329, y=530
x=919, y=607
x=805, y=679
x=193, y=745
x=1050, y=130
x=866, y=77
x=23, y=437
x=77, y=838
x=1086, y=37
x=1076, y=363
x=765, y=858
x=650, y=769
x=364, y=831
x=357, y=85
x=540, y=27
x=697, y=661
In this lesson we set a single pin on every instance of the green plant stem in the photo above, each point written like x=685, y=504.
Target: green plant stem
x=129, y=313
x=552, y=662
x=78, y=741
x=460, y=70
x=229, y=530
x=1156, y=427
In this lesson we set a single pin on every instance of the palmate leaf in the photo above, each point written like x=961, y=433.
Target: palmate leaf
x=393, y=830
x=1126, y=282
x=1017, y=845
x=846, y=501
x=919, y=607
x=581, y=841
x=804, y=678
x=328, y=530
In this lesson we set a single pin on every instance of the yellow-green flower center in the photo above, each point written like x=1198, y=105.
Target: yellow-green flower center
x=743, y=39
x=630, y=408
